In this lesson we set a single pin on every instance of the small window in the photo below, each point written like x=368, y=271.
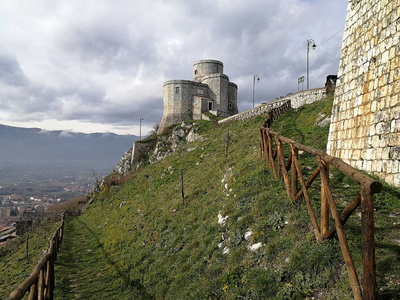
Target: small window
x=177, y=90
x=195, y=72
x=230, y=105
x=210, y=105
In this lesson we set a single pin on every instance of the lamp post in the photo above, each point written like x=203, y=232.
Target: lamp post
x=140, y=129
x=255, y=77
x=309, y=42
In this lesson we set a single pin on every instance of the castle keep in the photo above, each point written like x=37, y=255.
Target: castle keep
x=365, y=125
x=209, y=91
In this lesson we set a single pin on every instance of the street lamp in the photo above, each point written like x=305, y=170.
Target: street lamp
x=309, y=42
x=255, y=77
x=140, y=128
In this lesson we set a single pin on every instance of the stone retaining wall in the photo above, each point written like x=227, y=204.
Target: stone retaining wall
x=296, y=100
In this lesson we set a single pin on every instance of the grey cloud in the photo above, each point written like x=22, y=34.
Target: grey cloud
x=11, y=72
x=107, y=63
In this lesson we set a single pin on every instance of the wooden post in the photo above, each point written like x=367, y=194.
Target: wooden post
x=33, y=293
x=295, y=155
x=266, y=146
x=271, y=158
x=281, y=162
x=351, y=270
x=278, y=150
x=227, y=144
x=308, y=202
x=368, y=244
x=50, y=279
x=308, y=183
x=261, y=144
x=182, y=192
x=41, y=284
x=27, y=246
x=344, y=216
x=324, y=200
x=47, y=280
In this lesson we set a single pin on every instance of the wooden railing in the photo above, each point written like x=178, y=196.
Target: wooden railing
x=40, y=283
x=272, y=150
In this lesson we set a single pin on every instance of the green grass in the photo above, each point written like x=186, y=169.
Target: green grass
x=13, y=265
x=158, y=246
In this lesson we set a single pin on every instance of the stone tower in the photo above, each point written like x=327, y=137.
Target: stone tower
x=365, y=125
x=209, y=91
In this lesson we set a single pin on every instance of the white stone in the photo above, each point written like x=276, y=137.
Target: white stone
x=255, y=247
x=192, y=137
x=222, y=220
x=248, y=234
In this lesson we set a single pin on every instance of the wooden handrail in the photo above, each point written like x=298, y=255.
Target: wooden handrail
x=365, y=199
x=373, y=185
x=40, y=282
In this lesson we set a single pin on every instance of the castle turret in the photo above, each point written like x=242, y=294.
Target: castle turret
x=204, y=68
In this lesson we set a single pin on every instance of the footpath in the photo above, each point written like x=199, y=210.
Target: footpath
x=83, y=269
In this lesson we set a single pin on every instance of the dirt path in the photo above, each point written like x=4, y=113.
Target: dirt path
x=83, y=269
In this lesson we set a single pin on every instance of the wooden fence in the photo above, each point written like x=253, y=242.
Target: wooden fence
x=40, y=283
x=272, y=150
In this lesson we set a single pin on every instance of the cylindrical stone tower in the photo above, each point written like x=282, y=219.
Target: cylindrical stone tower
x=203, y=68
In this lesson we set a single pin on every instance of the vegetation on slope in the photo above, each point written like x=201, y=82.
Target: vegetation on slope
x=160, y=246
x=14, y=266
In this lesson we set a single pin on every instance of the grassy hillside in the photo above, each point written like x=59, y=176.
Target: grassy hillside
x=141, y=240
x=14, y=267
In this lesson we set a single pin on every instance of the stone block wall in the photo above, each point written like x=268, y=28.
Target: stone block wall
x=296, y=100
x=306, y=97
x=257, y=111
x=365, y=125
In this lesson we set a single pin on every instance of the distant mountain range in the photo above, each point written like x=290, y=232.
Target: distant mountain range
x=40, y=148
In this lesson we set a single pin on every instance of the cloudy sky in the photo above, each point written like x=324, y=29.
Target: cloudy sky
x=99, y=65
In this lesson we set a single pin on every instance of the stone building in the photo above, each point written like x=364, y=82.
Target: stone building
x=365, y=125
x=209, y=91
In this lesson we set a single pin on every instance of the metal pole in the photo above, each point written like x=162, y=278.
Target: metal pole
x=254, y=83
x=309, y=42
x=255, y=77
x=308, y=65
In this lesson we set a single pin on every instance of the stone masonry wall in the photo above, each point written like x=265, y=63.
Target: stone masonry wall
x=296, y=100
x=257, y=111
x=306, y=97
x=365, y=125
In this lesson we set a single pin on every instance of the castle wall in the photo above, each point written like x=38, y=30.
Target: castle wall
x=365, y=125
x=200, y=105
x=306, y=97
x=178, y=106
x=218, y=85
x=232, y=99
x=258, y=111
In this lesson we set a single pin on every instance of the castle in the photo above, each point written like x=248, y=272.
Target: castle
x=209, y=91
